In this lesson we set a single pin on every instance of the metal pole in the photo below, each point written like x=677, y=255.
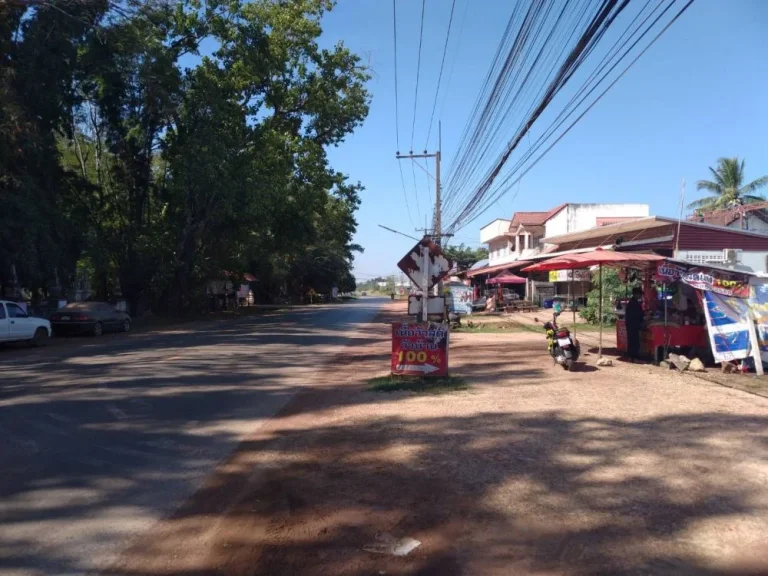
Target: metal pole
x=572, y=297
x=425, y=283
x=600, y=312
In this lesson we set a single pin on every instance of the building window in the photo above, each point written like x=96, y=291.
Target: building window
x=704, y=258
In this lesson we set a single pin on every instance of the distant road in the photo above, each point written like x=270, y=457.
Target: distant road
x=100, y=438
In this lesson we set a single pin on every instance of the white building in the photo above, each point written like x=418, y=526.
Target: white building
x=523, y=236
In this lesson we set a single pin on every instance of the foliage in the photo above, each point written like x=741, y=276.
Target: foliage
x=432, y=386
x=464, y=256
x=728, y=188
x=123, y=148
x=613, y=288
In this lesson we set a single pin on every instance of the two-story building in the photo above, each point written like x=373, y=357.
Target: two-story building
x=522, y=236
x=513, y=243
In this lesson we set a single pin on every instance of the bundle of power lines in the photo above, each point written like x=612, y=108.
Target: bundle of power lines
x=582, y=45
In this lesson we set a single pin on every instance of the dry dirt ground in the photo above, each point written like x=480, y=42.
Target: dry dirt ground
x=621, y=470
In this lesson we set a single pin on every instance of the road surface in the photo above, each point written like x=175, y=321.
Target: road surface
x=100, y=438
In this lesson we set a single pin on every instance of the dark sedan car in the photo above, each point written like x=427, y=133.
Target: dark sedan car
x=89, y=317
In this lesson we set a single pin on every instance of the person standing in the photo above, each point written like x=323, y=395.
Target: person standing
x=633, y=320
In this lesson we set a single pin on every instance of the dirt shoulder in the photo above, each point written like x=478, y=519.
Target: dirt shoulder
x=534, y=470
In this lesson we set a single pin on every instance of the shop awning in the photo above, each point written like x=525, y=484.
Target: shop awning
x=594, y=258
x=497, y=268
x=507, y=278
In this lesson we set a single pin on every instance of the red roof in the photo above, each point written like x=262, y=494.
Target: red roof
x=507, y=278
x=534, y=218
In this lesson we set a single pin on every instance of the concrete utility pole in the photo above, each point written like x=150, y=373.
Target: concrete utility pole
x=438, y=223
x=437, y=232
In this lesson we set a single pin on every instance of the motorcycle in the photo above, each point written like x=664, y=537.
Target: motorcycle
x=562, y=347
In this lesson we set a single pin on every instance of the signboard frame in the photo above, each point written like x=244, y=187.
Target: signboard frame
x=420, y=349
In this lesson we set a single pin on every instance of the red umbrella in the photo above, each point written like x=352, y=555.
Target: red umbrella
x=507, y=278
x=597, y=257
x=594, y=258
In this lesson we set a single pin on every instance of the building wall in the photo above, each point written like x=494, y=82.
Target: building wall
x=498, y=227
x=500, y=251
x=714, y=238
x=578, y=217
x=753, y=259
x=751, y=223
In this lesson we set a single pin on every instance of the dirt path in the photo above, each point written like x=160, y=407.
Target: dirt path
x=623, y=470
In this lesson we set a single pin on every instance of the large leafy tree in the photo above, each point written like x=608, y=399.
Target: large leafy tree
x=128, y=156
x=728, y=188
x=40, y=231
x=465, y=256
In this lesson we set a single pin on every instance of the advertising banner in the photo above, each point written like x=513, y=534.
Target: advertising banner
x=728, y=326
x=703, y=279
x=419, y=349
x=758, y=304
x=460, y=299
x=568, y=275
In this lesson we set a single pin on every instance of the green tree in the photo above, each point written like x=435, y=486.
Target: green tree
x=613, y=288
x=727, y=187
x=153, y=173
x=464, y=256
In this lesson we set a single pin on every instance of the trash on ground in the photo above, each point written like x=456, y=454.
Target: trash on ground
x=388, y=544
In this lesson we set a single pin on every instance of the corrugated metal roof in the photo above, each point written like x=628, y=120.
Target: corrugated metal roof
x=497, y=268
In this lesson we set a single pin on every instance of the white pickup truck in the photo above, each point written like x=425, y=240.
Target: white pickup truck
x=16, y=325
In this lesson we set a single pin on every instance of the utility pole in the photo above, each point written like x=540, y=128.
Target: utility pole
x=438, y=223
x=437, y=232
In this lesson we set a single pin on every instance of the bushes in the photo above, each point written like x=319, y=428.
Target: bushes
x=613, y=288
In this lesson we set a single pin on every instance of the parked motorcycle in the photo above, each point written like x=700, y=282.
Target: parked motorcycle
x=562, y=347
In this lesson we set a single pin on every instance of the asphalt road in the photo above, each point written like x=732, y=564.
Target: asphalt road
x=100, y=438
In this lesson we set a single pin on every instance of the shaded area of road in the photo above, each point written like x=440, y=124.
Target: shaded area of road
x=534, y=470
x=102, y=438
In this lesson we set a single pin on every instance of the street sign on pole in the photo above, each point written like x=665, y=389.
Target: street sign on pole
x=425, y=263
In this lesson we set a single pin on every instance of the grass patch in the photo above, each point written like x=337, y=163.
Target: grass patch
x=489, y=328
x=512, y=326
x=418, y=385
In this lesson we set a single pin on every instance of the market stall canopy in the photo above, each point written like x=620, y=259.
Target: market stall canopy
x=506, y=278
x=594, y=258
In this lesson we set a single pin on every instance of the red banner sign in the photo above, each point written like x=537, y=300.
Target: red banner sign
x=419, y=349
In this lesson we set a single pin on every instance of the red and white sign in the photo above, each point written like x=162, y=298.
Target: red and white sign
x=419, y=349
x=413, y=264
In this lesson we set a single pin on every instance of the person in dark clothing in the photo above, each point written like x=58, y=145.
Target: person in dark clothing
x=633, y=320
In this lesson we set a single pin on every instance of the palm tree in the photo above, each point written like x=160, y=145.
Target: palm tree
x=727, y=187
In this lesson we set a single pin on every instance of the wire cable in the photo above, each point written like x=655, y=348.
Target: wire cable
x=418, y=71
x=440, y=75
x=397, y=107
x=596, y=100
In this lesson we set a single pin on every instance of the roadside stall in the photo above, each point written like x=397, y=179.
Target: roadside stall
x=507, y=285
x=674, y=313
x=705, y=308
x=596, y=258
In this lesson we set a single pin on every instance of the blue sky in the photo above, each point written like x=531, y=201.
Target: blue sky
x=698, y=94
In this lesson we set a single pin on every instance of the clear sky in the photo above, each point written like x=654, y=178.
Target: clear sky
x=701, y=92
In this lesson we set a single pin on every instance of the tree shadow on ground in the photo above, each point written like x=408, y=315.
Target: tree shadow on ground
x=495, y=493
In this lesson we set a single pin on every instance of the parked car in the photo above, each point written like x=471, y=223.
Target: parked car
x=89, y=318
x=16, y=325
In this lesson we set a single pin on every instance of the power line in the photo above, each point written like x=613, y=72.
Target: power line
x=440, y=75
x=418, y=71
x=416, y=194
x=535, y=44
x=405, y=195
x=453, y=62
x=397, y=107
x=597, y=99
